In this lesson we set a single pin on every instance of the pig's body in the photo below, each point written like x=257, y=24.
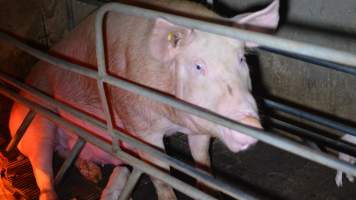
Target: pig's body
x=181, y=62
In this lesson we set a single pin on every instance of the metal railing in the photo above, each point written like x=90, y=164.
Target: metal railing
x=140, y=167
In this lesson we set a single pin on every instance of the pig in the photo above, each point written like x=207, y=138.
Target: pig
x=347, y=158
x=197, y=67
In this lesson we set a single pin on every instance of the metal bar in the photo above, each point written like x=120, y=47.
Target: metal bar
x=68, y=162
x=104, y=145
x=265, y=40
x=100, y=52
x=339, y=145
x=20, y=131
x=130, y=184
x=308, y=59
x=309, y=116
x=195, y=173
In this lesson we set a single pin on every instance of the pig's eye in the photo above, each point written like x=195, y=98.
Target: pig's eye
x=198, y=66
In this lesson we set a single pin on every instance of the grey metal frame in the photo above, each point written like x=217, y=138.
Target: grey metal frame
x=103, y=78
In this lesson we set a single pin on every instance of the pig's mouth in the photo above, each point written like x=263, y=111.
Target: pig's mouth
x=237, y=141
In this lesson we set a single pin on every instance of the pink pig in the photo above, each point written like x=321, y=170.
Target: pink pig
x=195, y=66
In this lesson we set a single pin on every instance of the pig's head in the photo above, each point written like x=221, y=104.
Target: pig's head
x=211, y=71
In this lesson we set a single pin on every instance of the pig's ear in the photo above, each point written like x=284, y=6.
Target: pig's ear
x=167, y=39
x=264, y=20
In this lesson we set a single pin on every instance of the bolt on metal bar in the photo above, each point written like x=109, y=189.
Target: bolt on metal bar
x=195, y=173
x=20, y=131
x=104, y=145
x=130, y=184
x=77, y=148
x=309, y=116
x=265, y=40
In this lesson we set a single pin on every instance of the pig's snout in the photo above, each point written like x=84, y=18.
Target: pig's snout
x=237, y=141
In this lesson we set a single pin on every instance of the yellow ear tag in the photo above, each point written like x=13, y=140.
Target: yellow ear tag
x=170, y=36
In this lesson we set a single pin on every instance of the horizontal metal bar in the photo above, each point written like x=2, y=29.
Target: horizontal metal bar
x=20, y=131
x=308, y=59
x=68, y=162
x=338, y=145
x=127, y=158
x=195, y=173
x=265, y=40
x=311, y=117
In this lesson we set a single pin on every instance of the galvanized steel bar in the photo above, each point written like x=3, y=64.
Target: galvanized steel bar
x=104, y=145
x=20, y=131
x=70, y=159
x=130, y=184
x=265, y=40
x=311, y=117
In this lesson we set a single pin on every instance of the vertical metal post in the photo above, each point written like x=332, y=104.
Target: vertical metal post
x=21, y=131
x=100, y=55
x=130, y=184
x=68, y=162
